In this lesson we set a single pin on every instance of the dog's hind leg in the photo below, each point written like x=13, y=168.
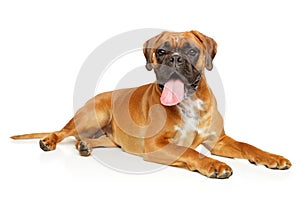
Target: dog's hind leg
x=85, y=145
x=48, y=143
x=88, y=122
x=50, y=139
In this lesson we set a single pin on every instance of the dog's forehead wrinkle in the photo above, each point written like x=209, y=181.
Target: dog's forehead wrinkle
x=180, y=41
x=176, y=38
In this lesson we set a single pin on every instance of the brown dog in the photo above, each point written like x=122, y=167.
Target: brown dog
x=164, y=121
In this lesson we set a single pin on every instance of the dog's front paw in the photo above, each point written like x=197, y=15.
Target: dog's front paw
x=220, y=170
x=84, y=149
x=48, y=143
x=272, y=161
x=215, y=169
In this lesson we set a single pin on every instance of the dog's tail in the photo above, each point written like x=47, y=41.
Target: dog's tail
x=68, y=130
x=30, y=136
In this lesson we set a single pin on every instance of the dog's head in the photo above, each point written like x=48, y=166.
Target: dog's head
x=179, y=60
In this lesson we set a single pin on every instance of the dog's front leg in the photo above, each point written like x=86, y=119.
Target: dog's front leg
x=179, y=156
x=228, y=147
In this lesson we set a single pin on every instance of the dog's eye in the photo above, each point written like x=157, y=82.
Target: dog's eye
x=161, y=52
x=192, y=52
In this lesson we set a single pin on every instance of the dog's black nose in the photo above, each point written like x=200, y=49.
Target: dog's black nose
x=176, y=58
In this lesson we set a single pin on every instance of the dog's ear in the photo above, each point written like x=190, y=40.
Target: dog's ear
x=149, y=54
x=211, y=48
x=149, y=49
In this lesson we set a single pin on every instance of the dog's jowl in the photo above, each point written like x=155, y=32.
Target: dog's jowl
x=166, y=120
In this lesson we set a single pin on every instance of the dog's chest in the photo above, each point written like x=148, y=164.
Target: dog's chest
x=189, y=111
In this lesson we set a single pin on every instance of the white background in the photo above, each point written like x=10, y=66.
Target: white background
x=42, y=48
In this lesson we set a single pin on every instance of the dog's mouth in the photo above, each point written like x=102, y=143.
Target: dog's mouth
x=174, y=90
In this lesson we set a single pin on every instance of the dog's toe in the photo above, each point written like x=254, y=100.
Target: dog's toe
x=272, y=161
x=219, y=170
x=46, y=145
x=226, y=174
x=84, y=149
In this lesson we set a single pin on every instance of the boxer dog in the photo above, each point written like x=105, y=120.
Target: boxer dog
x=166, y=120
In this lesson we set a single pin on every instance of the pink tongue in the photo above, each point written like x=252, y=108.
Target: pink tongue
x=173, y=92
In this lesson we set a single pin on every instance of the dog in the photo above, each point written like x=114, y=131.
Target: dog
x=166, y=120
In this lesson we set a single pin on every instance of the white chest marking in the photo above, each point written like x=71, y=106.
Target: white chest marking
x=189, y=110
